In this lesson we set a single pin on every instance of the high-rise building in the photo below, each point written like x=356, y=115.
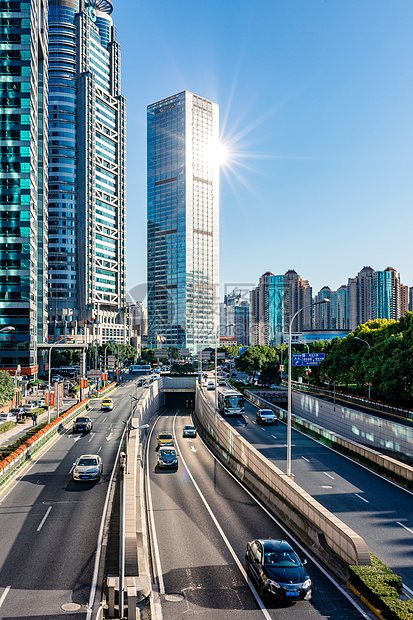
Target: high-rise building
x=183, y=222
x=234, y=318
x=23, y=183
x=87, y=229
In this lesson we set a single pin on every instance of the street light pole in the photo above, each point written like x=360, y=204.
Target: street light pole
x=315, y=303
x=365, y=342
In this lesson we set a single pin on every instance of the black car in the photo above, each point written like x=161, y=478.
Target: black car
x=82, y=425
x=278, y=571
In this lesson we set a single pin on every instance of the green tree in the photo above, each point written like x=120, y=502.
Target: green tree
x=6, y=387
x=255, y=359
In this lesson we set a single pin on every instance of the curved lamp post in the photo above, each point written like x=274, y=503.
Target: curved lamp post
x=315, y=303
x=365, y=342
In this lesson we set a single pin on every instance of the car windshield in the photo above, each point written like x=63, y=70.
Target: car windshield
x=168, y=453
x=81, y=420
x=88, y=462
x=165, y=436
x=189, y=428
x=281, y=558
x=267, y=412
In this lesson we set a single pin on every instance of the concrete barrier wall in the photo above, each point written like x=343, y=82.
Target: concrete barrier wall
x=392, y=465
x=357, y=426
x=320, y=529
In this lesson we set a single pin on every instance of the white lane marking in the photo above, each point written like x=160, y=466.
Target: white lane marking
x=91, y=437
x=109, y=437
x=408, y=590
x=303, y=457
x=99, y=450
x=194, y=449
x=224, y=538
x=157, y=559
x=328, y=475
x=76, y=438
x=362, y=498
x=295, y=540
x=275, y=436
x=104, y=419
x=44, y=519
x=5, y=593
x=93, y=587
x=72, y=468
x=406, y=528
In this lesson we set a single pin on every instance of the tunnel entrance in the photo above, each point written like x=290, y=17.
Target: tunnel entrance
x=184, y=400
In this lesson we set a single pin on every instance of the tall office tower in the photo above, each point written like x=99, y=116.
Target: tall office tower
x=183, y=222
x=268, y=310
x=23, y=196
x=87, y=174
x=234, y=318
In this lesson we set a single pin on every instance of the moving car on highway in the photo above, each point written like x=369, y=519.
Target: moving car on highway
x=266, y=416
x=107, y=404
x=82, y=425
x=167, y=457
x=211, y=385
x=189, y=431
x=165, y=439
x=87, y=467
x=277, y=570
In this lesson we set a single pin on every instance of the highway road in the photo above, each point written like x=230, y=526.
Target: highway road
x=374, y=507
x=200, y=521
x=50, y=526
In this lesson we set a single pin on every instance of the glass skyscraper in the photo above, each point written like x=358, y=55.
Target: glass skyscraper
x=87, y=228
x=23, y=183
x=183, y=222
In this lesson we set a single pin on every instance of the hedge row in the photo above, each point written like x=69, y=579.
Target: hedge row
x=31, y=440
x=380, y=586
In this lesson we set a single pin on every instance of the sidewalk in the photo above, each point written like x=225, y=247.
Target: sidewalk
x=21, y=429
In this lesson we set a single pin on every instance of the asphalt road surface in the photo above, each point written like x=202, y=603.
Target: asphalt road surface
x=200, y=521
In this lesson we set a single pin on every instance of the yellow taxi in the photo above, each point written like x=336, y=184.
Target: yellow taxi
x=165, y=439
x=107, y=404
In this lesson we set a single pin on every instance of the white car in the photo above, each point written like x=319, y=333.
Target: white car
x=87, y=467
x=7, y=417
x=211, y=385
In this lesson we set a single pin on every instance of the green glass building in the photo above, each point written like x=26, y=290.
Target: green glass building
x=23, y=182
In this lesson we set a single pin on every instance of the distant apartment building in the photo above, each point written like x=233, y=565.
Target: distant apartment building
x=273, y=304
x=368, y=296
x=87, y=225
x=235, y=319
x=183, y=222
x=23, y=182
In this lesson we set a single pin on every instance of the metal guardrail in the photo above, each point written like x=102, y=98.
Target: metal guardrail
x=405, y=413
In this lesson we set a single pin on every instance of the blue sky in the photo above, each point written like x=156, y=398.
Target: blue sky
x=316, y=101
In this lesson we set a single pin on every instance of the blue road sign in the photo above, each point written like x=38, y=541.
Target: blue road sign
x=307, y=359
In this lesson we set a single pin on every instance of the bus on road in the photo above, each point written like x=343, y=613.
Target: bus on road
x=230, y=402
x=142, y=369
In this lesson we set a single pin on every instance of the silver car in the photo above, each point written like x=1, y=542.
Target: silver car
x=266, y=416
x=87, y=467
